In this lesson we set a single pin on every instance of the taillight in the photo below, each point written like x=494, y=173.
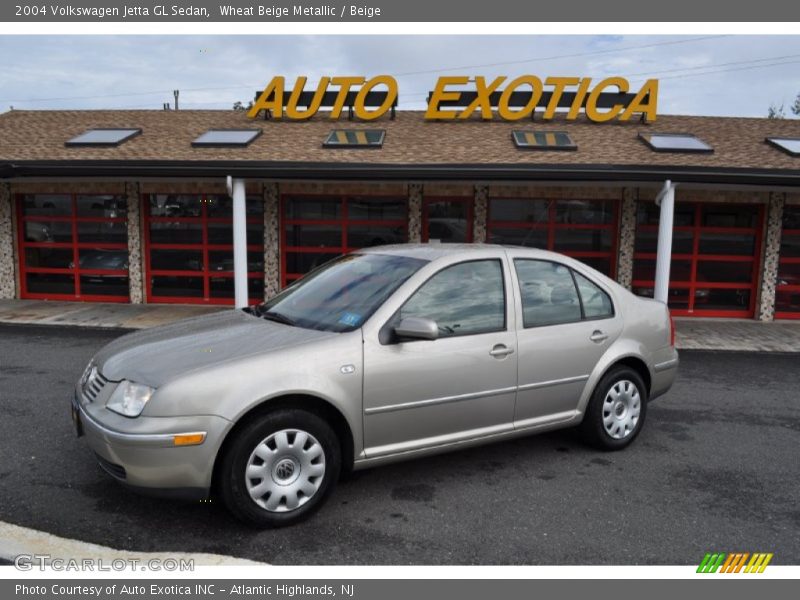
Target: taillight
x=671, y=330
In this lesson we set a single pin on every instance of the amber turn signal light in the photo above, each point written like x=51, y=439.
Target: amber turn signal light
x=189, y=439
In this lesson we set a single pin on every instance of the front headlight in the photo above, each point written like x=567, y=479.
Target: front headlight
x=129, y=398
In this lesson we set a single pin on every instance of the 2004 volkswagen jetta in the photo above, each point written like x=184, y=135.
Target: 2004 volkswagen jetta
x=384, y=354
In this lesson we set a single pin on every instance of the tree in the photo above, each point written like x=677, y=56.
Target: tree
x=238, y=105
x=776, y=112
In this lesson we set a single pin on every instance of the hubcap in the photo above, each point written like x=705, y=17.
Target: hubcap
x=285, y=470
x=621, y=409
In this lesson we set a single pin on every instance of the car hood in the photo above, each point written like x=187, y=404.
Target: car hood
x=155, y=356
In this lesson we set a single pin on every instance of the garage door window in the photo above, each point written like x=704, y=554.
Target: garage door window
x=585, y=229
x=189, y=248
x=715, y=253
x=787, y=291
x=73, y=247
x=447, y=220
x=316, y=229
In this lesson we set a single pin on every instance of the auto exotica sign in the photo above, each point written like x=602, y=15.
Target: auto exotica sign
x=461, y=97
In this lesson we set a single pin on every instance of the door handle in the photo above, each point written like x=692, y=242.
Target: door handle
x=501, y=350
x=598, y=336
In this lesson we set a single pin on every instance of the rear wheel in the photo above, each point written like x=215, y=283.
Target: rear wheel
x=616, y=411
x=280, y=468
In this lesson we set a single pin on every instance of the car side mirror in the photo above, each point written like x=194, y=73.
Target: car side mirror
x=417, y=328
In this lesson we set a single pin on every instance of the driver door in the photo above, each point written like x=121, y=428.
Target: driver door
x=420, y=393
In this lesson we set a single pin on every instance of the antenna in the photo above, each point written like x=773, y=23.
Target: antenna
x=166, y=105
x=176, y=93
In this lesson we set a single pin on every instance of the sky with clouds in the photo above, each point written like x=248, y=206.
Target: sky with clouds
x=699, y=75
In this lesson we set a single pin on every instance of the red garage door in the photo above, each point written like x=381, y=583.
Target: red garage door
x=447, y=220
x=73, y=247
x=787, y=293
x=584, y=229
x=316, y=229
x=716, y=250
x=189, y=248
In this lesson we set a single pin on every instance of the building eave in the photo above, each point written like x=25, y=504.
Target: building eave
x=399, y=172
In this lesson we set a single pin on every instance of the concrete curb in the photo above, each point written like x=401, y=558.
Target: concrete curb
x=16, y=540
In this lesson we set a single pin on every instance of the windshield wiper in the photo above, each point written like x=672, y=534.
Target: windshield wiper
x=271, y=315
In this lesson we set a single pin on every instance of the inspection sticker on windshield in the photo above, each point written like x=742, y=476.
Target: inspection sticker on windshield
x=350, y=319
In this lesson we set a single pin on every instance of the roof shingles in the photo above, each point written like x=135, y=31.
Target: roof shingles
x=410, y=140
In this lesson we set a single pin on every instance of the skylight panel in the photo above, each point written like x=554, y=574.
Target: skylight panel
x=226, y=138
x=675, y=142
x=103, y=137
x=789, y=145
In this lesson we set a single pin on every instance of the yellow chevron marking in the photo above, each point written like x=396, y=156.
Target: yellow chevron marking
x=550, y=139
x=758, y=558
x=530, y=139
x=766, y=562
x=361, y=137
x=753, y=560
x=341, y=137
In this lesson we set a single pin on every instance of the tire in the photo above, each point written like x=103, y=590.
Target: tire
x=280, y=468
x=616, y=411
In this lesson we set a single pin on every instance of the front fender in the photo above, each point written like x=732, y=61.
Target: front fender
x=230, y=390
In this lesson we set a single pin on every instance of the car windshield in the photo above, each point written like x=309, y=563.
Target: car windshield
x=341, y=294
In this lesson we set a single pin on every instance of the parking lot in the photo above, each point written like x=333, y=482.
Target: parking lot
x=715, y=469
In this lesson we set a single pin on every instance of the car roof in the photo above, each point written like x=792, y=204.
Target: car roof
x=436, y=250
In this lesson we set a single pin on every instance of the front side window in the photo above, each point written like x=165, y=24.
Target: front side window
x=548, y=293
x=342, y=294
x=464, y=299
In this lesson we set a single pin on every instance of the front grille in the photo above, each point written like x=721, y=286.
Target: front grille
x=112, y=469
x=94, y=385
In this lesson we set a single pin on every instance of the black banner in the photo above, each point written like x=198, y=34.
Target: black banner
x=464, y=11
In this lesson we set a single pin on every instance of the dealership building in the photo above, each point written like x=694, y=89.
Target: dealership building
x=132, y=206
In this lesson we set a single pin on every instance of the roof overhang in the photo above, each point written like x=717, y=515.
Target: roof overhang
x=399, y=172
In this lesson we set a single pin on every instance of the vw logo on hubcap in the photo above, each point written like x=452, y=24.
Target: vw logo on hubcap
x=285, y=471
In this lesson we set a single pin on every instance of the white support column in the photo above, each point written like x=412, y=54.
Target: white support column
x=666, y=198
x=236, y=189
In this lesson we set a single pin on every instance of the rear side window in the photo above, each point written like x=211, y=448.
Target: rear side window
x=464, y=299
x=548, y=293
x=553, y=293
x=596, y=303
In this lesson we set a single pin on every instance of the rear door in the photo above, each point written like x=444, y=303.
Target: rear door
x=566, y=323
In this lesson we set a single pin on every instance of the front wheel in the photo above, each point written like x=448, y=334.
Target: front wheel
x=280, y=468
x=616, y=411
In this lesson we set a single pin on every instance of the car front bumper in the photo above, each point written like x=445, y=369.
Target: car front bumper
x=141, y=452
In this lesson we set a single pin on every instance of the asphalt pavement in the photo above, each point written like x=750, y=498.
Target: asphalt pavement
x=715, y=469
